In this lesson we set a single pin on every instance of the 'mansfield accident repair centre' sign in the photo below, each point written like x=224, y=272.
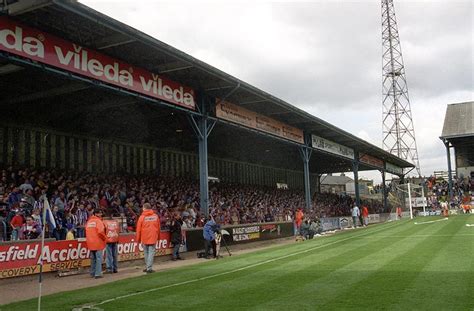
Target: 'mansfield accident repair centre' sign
x=50, y=50
x=22, y=258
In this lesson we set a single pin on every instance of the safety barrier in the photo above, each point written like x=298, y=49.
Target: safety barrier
x=242, y=234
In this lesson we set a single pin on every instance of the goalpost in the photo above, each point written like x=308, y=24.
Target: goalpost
x=407, y=200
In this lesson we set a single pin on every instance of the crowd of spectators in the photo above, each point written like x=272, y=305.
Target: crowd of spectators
x=438, y=190
x=74, y=195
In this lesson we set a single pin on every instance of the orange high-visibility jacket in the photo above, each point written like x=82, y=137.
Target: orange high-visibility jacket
x=112, y=231
x=95, y=234
x=365, y=211
x=299, y=217
x=148, y=228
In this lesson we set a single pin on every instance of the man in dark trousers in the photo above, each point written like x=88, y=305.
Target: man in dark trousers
x=209, y=235
x=176, y=235
x=112, y=230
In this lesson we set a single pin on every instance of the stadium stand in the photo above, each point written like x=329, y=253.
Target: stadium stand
x=122, y=196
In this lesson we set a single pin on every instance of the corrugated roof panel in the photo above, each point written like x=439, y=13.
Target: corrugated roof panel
x=459, y=120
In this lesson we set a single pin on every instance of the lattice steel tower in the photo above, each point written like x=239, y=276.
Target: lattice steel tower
x=398, y=130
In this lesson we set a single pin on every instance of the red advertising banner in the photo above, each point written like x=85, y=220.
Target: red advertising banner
x=234, y=113
x=365, y=158
x=39, y=46
x=18, y=259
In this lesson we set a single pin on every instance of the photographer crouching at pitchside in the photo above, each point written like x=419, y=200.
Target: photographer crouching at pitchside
x=209, y=233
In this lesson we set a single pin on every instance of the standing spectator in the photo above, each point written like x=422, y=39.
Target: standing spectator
x=95, y=239
x=112, y=230
x=61, y=202
x=14, y=197
x=70, y=219
x=16, y=223
x=37, y=217
x=28, y=198
x=3, y=229
x=82, y=216
x=148, y=233
x=176, y=235
x=365, y=215
x=299, y=219
x=355, y=215
x=399, y=212
x=59, y=233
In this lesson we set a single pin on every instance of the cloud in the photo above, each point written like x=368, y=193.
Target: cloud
x=325, y=56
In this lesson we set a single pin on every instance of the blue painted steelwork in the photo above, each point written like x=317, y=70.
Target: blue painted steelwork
x=384, y=192
x=305, y=152
x=203, y=127
x=355, y=169
x=450, y=171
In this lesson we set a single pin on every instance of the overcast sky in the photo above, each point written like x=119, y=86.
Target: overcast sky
x=325, y=56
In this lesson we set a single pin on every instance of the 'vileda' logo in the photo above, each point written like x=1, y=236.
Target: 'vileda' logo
x=14, y=40
x=79, y=58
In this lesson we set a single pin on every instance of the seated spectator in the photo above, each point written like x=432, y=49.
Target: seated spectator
x=31, y=229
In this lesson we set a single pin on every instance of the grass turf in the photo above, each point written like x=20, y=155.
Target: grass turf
x=394, y=266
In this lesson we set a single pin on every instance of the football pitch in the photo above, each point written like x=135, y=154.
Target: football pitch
x=424, y=264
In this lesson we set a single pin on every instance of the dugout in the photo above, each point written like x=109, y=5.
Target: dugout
x=458, y=134
x=82, y=91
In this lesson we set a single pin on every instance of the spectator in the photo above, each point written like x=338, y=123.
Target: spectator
x=82, y=215
x=112, y=230
x=70, y=232
x=176, y=235
x=16, y=223
x=365, y=215
x=30, y=230
x=61, y=202
x=355, y=215
x=209, y=237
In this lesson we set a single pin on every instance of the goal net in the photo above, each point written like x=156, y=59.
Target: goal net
x=407, y=200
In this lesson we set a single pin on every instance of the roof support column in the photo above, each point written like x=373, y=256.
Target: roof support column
x=384, y=192
x=202, y=127
x=318, y=180
x=450, y=172
x=306, y=152
x=355, y=169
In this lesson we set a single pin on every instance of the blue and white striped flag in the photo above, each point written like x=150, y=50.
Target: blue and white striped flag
x=49, y=215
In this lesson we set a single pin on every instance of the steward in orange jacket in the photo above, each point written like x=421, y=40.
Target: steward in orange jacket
x=95, y=232
x=299, y=219
x=95, y=239
x=365, y=215
x=112, y=229
x=148, y=233
x=148, y=227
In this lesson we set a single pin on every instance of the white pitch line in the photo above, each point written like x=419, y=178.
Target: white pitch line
x=469, y=225
x=420, y=236
x=89, y=306
x=430, y=222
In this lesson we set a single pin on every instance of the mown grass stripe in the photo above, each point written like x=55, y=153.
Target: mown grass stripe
x=395, y=276
x=326, y=289
x=446, y=271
